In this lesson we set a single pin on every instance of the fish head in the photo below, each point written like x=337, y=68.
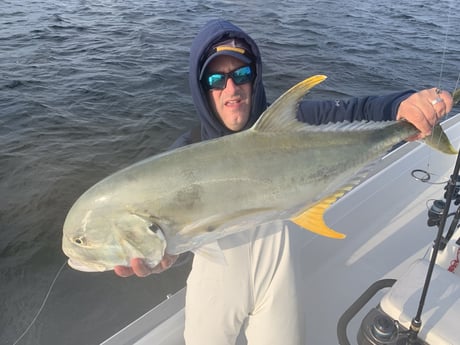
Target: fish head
x=97, y=236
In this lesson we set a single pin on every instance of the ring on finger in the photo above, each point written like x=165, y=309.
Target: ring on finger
x=436, y=101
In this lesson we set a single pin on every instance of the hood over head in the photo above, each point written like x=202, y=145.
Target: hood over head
x=219, y=37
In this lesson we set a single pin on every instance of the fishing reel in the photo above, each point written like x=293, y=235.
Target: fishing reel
x=377, y=328
x=436, y=216
x=455, y=191
x=435, y=212
x=437, y=208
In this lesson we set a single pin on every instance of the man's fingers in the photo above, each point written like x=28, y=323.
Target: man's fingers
x=123, y=271
x=140, y=268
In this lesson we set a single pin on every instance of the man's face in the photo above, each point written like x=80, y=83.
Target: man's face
x=233, y=103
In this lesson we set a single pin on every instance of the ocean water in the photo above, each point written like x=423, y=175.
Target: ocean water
x=88, y=87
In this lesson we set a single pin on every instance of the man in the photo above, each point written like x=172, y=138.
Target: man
x=258, y=289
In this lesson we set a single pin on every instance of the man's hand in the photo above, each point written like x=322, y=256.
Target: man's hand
x=141, y=269
x=424, y=108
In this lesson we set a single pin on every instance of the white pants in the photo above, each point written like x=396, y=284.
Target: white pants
x=257, y=291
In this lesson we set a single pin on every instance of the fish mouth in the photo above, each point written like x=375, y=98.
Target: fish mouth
x=84, y=268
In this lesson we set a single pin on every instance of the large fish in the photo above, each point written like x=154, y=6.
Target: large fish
x=179, y=200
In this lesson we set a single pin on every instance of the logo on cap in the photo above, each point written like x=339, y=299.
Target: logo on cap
x=232, y=47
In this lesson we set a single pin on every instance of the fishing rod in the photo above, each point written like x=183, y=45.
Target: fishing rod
x=455, y=191
x=439, y=244
x=452, y=189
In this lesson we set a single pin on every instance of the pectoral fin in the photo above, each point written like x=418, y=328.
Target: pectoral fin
x=312, y=219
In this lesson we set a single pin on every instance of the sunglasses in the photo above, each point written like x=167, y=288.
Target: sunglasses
x=239, y=76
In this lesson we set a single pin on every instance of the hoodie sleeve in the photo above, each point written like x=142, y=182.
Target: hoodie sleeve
x=371, y=108
x=190, y=137
x=183, y=140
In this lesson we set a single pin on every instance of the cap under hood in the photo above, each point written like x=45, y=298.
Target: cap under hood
x=212, y=33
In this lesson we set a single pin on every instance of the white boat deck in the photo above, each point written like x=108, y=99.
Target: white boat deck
x=385, y=220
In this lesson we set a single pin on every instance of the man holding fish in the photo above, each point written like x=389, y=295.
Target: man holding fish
x=255, y=283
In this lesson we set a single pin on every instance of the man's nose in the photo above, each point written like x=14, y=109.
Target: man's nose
x=230, y=85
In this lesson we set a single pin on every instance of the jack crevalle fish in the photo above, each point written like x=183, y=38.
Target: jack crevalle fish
x=179, y=200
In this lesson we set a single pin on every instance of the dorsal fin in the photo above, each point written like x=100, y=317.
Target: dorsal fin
x=282, y=114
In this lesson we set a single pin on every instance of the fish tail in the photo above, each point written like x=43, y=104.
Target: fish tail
x=439, y=141
x=456, y=96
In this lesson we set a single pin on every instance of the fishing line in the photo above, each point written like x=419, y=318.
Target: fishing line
x=425, y=176
x=444, y=49
x=43, y=304
x=446, y=35
x=456, y=83
x=441, y=72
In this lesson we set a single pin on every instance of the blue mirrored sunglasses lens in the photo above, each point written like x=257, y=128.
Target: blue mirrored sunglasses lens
x=242, y=75
x=216, y=81
x=219, y=80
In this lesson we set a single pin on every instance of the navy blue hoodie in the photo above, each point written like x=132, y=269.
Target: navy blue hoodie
x=313, y=112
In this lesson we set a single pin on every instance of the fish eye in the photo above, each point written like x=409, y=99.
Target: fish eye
x=154, y=228
x=81, y=241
